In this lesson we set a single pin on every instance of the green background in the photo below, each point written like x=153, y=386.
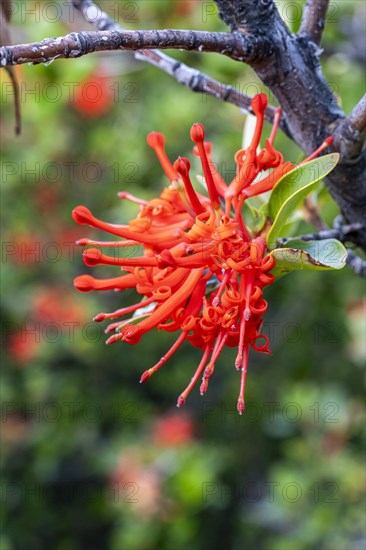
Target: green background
x=92, y=459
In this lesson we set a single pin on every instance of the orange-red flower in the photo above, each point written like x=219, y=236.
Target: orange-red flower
x=202, y=271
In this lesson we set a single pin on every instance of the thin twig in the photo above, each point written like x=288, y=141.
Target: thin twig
x=358, y=115
x=340, y=232
x=192, y=78
x=94, y=15
x=356, y=263
x=313, y=19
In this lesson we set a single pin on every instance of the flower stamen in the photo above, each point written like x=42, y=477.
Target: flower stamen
x=156, y=141
x=198, y=136
x=146, y=375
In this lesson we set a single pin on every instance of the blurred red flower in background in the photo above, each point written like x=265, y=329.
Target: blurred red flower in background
x=94, y=96
x=56, y=305
x=139, y=484
x=23, y=250
x=173, y=430
x=24, y=346
x=53, y=315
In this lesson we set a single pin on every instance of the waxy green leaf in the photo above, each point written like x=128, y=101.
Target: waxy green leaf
x=254, y=218
x=327, y=254
x=292, y=189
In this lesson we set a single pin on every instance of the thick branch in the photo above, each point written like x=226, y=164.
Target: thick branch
x=349, y=135
x=358, y=115
x=193, y=79
x=246, y=16
x=313, y=19
x=234, y=45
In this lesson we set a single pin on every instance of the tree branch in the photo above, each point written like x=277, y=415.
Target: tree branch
x=192, y=78
x=349, y=136
x=340, y=232
x=358, y=115
x=96, y=16
x=313, y=19
x=356, y=263
x=233, y=45
x=246, y=16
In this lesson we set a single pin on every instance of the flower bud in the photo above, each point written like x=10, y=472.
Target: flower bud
x=155, y=140
x=82, y=215
x=182, y=166
x=197, y=133
x=259, y=103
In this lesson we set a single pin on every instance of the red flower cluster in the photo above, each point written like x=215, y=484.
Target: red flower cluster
x=201, y=273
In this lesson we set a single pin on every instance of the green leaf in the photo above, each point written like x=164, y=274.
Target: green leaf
x=257, y=201
x=303, y=175
x=254, y=218
x=309, y=255
x=264, y=212
x=292, y=189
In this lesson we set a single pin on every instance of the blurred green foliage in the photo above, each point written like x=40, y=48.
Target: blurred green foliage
x=91, y=459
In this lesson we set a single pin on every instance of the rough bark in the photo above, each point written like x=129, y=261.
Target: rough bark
x=234, y=45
